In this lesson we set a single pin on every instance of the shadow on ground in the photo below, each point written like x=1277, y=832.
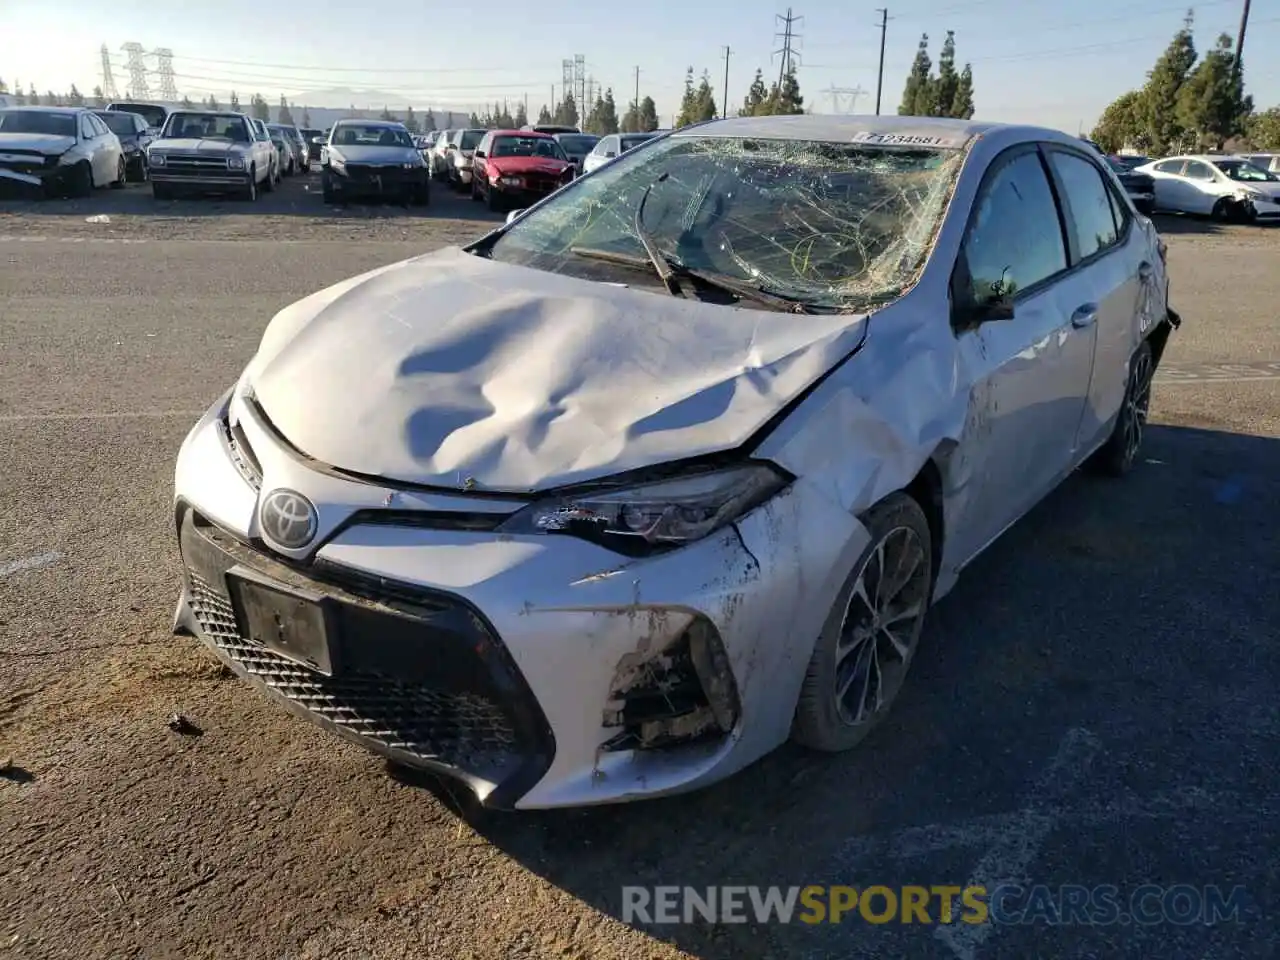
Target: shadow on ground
x=1187, y=224
x=1104, y=610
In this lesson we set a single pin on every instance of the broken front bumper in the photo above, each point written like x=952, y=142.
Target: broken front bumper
x=541, y=670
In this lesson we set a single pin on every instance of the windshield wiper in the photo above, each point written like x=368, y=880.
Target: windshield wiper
x=742, y=289
x=660, y=263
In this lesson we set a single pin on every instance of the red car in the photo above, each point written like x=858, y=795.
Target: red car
x=517, y=168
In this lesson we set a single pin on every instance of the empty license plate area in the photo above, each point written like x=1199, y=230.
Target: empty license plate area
x=294, y=623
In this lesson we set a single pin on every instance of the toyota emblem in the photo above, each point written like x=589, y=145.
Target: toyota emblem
x=288, y=519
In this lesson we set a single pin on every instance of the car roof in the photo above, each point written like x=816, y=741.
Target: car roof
x=212, y=113
x=393, y=124
x=522, y=133
x=838, y=127
x=69, y=111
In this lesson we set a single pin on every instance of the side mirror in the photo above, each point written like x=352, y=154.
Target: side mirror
x=513, y=214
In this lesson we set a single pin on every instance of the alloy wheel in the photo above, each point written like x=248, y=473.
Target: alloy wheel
x=1137, y=404
x=881, y=626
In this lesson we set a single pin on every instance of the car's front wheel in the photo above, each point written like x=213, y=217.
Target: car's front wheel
x=251, y=191
x=1117, y=456
x=870, y=637
x=122, y=174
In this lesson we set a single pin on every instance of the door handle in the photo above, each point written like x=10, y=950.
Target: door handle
x=1084, y=316
x=1144, y=271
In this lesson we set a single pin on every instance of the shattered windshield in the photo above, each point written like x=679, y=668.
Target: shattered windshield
x=34, y=121
x=828, y=224
x=206, y=126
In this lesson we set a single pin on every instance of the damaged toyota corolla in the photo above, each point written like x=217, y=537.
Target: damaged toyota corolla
x=670, y=467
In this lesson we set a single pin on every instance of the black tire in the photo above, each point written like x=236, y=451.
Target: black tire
x=81, y=181
x=1221, y=211
x=421, y=195
x=494, y=200
x=475, y=190
x=326, y=189
x=122, y=174
x=822, y=721
x=269, y=184
x=250, y=191
x=1116, y=457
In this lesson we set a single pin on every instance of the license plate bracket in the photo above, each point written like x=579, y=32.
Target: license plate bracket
x=298, y=624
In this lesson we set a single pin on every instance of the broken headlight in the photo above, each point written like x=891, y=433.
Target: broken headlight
x=653, y=517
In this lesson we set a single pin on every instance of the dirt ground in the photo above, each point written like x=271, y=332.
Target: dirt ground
x=1132, y=618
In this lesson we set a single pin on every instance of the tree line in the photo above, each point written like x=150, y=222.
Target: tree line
x=1189, y=102
x=947, y=93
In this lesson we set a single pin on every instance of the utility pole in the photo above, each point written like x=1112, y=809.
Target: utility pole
x=637, y=99
x=1244, y=24
x=884, y=28
x=724, y=104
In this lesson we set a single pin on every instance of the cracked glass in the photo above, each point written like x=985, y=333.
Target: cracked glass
x=833, y=225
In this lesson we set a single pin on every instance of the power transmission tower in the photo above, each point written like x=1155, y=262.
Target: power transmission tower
x=164, y=67
x=839, y=96
x=884, y=27
x=724, y=104
x=789, y=38
x=567, y=85
x=580, y=82
x=108, y=78
x=137, y=71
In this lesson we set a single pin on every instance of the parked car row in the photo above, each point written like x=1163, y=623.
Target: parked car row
x=1220, y=186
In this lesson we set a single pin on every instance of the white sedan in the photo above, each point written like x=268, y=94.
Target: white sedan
x=59, y=150
x=669, y=468
x=1221, y=187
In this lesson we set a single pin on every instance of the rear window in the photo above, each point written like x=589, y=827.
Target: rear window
x=206, y=126
x=149, y=112
x=121, y=124
x=470, y=139
x=631, y=142
x=582, y=144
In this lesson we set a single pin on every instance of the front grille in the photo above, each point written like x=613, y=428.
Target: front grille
x=35, y=164
x=204, y=164
x=422, y=679
x=367, y=171
x=460, y=730
x=541, y=184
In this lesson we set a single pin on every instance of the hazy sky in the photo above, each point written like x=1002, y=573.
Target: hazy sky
x=1053, y=64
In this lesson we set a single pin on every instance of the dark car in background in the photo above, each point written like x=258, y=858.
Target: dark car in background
x=311, y=135
x=134, y=134
x=373, y=158
x=576, y=146
x=156, y=114
x=1140, y=187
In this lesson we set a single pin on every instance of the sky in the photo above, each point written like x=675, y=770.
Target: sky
x=1054, y=65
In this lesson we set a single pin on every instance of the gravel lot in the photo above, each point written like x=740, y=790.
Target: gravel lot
x=1095, y=703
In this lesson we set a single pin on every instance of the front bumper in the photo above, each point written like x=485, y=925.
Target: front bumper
x=356, y=180
x=462, y=175
x=1259, y=209
x=202, y=179
x=567, y=675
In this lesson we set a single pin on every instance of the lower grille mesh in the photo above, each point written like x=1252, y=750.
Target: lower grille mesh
x=460, y=729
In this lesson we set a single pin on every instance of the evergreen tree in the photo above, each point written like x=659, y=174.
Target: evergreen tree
x=212, y=103
x=306, y=116
x=704, y=100
x=630, y=122
x=411, y=120
x=608, y=113
x=688, y=102
x=1211, y=105
x=187, y=104
x=522, y=116
x=1164, y=82
x=284, y=114
x=74, y=97
x=1264, y=129
x=917, y=92
x=962, y=102
x=428, y=122
x=948, y=81
x=234, y=103
x=754, y=102
x=4, y=87
x=544, y=115
x=567, y=112
x=1121, y=124
x=33, y=98
x=786, y=99
x=19, y=97
x=648, y=115
x=259, y=107
x=474, y=120
x=52, y=99
x=99, y=98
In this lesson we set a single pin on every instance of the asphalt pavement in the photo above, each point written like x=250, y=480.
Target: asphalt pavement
x=1095, y=705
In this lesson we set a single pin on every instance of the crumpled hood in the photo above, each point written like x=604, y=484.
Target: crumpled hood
x=373, y=154
x=1272, y=190
x=48, y=144
x=194, y=145
x=452, y=370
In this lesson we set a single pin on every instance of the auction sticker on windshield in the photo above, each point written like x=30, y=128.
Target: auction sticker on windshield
x=907, y=139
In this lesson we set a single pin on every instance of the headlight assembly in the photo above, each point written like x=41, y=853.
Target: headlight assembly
x=653, y=517
x=235, y=163
x=156, y=159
